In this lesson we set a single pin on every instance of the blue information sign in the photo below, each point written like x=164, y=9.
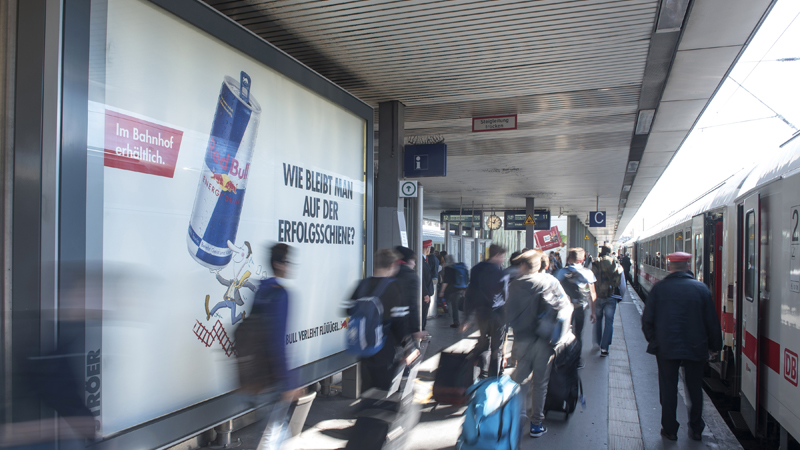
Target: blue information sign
x=597, y=218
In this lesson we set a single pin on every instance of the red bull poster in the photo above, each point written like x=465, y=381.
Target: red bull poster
x=199, y=161
x=548, y=239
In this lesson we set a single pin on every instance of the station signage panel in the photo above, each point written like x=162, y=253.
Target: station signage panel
x=515, y=220
x=494, y=123
x=597, y=219
x=467, y=218
x=429, y=160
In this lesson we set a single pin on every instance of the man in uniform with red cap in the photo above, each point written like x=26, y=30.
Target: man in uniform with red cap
x=430, y=273
x=682, y=329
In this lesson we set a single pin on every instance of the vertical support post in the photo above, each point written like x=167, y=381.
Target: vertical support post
x=447, y=238
x=391, y=117
x=351, y=382
x=417, y=246
x=529, y=207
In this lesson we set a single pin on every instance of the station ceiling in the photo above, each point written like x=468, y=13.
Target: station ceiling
x=576, y=72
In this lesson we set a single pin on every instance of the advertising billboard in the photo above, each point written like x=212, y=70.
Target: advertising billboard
x=548, y=239
x=201, y=158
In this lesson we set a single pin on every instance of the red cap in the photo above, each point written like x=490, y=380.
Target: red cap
x=428, y=243
x=679, y=257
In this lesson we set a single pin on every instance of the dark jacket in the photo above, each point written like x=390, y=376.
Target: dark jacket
x=409, y=286
x=433, y=263
x=427, y=279
x=488, y=287
x=626, y=263
x=679, y=320
x=271, y=305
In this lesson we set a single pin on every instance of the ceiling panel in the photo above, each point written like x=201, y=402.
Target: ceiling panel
x=678, y=115
x=713, y=18
x=665, y=141
x=697, y=73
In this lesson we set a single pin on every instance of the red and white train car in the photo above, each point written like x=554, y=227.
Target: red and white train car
x=744, y=237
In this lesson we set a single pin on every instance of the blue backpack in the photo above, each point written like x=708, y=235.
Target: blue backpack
x=462, y=275
x=492, y=419
x=365, y=328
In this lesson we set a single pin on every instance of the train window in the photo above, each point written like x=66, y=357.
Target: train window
x=670, y=243
x=687, y=240
x=663, y=260
x=679, y=241
x=749, y=256
x=698, y=256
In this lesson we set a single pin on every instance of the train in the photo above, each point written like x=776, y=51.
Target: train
x=744, y=238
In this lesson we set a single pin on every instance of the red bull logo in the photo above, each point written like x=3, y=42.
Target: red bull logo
x=224, y=182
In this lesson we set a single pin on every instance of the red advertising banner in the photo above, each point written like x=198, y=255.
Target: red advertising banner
x=548, y=239
x=140, y=146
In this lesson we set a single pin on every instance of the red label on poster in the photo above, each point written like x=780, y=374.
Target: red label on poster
x=547, y=239
x=140, y=146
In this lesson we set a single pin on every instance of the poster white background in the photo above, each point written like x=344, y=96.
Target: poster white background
x=160, y=69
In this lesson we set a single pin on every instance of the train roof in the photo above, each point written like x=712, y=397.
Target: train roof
x=782, y=164
x=716, y=197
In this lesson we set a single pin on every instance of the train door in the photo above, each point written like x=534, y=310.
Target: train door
x=748, y=273
x=699, y=253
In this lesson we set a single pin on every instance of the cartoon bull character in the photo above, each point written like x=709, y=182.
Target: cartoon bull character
x=241, y=259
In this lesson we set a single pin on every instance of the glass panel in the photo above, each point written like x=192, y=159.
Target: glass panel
x=663, y=260
x=749, y=257
x=670, y=243
x=679, y=241
x=687, y=241
x=698, y=256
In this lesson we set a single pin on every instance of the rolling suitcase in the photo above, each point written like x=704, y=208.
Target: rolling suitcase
x=565, y=389
x=455, y=374
x=386, y=417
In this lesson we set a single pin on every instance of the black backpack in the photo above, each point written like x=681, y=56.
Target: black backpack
x=252, y=344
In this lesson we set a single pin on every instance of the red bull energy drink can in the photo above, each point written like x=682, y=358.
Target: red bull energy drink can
x=224, y=173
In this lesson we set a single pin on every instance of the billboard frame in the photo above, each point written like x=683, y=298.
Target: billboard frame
x=71, y=189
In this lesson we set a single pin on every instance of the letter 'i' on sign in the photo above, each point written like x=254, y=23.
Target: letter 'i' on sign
x=408, y=188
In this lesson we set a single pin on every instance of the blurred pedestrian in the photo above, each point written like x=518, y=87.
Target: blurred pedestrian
x=578, y=283
x=607, y=271
x=454, y=284
x=430, y=267
x=409, y=286
x=486, y=297
x=626, y=266
x=530, y=299
x=682, y=329
x=378, y=371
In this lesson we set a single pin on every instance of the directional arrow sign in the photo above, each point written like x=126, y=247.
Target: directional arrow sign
x=408, y=188
x=597, y=218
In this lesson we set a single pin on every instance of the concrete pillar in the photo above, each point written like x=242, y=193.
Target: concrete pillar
x=391, y=118
x=529, y=228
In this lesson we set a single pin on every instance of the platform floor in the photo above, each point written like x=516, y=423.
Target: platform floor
x=622, y=406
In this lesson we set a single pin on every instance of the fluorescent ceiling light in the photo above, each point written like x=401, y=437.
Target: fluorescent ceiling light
x=626, y=188
x=670, y=18
x=645, y=121
x=633, y=166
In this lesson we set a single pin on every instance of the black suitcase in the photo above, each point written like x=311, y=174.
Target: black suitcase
x=385, y=418
x=565, y=389
x=456, y=372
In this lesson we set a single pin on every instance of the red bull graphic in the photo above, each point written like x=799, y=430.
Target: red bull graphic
x=223, y=179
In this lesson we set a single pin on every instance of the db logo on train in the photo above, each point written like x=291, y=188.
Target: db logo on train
x=790, y=366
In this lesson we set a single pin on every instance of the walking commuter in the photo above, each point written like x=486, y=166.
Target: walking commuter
x=588, y=261
x=529, y=297
x=409, y=287
x=379, y=370
x=578, y=283
x=427, y=280
x=264, y=339
x=486, y=297
x=454, y=284
x=608, y=272
x=626, y=265
x=682, y=329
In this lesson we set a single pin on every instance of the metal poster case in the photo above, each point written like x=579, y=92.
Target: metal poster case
x=200, y=158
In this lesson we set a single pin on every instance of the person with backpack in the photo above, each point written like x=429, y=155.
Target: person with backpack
x=378, y=325
x=261, y=352
x=409, y=281
x=486, y=297
x=454, y=284
x=578, y=283
x=539, y=312
x=608, y=271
